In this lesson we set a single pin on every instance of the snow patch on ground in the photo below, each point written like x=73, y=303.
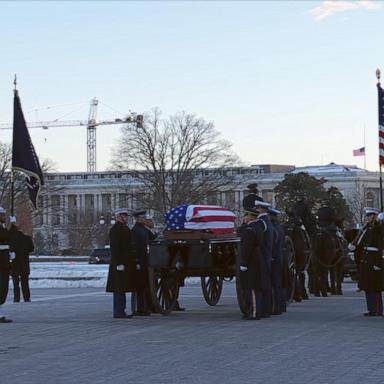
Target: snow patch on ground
x=75, y=275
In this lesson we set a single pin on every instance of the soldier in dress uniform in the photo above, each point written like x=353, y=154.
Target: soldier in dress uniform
x=277, y=263
x=266, y=250
x=143, y=233
x=122, y=267
x=22, y=245
x=253, y=269
x=368, y=247
x=5, y=263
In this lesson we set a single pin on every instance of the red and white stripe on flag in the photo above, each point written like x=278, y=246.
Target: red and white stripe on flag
x=381, y=144
x=359, y=152
x=210, y=217
x=381, y=123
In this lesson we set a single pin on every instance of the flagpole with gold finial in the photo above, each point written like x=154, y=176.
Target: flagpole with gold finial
x=378, y=76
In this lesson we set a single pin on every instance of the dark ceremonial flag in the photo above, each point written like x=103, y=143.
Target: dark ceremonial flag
x=24, y=158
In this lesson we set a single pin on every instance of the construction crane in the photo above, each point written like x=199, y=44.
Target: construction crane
x=91, y=125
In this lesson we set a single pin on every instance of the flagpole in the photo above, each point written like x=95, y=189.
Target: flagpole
x=12, y=171
x=365, y=151
x=378, y=75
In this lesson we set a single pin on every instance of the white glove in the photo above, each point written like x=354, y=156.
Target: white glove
x=12, y=219
x=243, y=268
x=120, y=268
x=376, y=268
x=138, y=267
x=12, y=255
x=351, y=247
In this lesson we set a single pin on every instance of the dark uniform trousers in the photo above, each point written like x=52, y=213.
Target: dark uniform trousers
x=253, y=280
x=254, y=303
x=24, y=281
x=4, y=264
x=277, y=269
x=266, y=250
x=142, y=237
x=374, y=302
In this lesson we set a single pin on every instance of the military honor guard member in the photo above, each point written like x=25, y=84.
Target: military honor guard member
x=121, y=274
x=250, y=198
x=277, y=264
x=368, y=248
x=22, y=245
x=143, y=233
x=5, y=263
x=255, y=264
x=266, y=250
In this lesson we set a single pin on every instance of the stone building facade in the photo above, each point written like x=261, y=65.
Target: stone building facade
x=77, y=200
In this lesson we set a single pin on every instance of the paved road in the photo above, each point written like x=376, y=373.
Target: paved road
x=68, y=336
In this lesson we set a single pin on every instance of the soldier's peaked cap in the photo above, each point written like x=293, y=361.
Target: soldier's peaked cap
x=121, y=211
x=252, y=186
x=143, y=214
x=371, y=211
x=2, y=210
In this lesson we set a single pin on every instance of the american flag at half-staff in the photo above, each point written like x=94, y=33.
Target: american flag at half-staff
x=381, y=124
x=212, y=218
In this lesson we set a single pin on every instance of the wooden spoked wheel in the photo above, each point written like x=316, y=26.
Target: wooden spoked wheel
x=164, y=290
x=212, y=287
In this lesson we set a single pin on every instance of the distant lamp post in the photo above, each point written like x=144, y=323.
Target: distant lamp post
x=102, y=220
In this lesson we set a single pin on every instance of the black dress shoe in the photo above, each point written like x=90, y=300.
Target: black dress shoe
x=16, y=301
x=141, y=314
x=178, y=308
x=3, y=319
x=245, y=317
x=370, y=314
x=27, y=301
x=122, y=316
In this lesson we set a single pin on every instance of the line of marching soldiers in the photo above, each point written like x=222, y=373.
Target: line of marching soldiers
x=261, y=260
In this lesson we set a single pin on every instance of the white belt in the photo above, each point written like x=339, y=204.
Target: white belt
x=371, y=249
x=4, y=247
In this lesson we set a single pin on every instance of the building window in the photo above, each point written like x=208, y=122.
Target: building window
x=370, y=199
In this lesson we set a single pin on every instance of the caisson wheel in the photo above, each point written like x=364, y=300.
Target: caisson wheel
x=212, y=287
x=164, y=290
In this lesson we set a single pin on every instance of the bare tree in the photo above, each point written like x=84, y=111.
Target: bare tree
x=23, y=207
x=356, y=202
x=180, y=159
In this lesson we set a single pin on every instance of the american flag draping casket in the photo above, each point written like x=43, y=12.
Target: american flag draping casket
x=210, y=218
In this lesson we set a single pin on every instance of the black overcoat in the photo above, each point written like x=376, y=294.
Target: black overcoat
x=4, y=253
x=257, y=276
x=369, y=258
x=142, y=236
x=122, y=253
x=22, y=245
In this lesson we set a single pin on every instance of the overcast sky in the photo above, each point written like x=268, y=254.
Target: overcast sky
x=286, y=82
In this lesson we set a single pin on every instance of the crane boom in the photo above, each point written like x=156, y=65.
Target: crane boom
x=91, y=125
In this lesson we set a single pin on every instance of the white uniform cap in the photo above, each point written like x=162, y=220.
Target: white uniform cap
x=121, y=211
x=2, y=210
x=370, y=211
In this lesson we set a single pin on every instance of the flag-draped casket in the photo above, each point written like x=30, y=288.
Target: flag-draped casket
x=208, y=218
